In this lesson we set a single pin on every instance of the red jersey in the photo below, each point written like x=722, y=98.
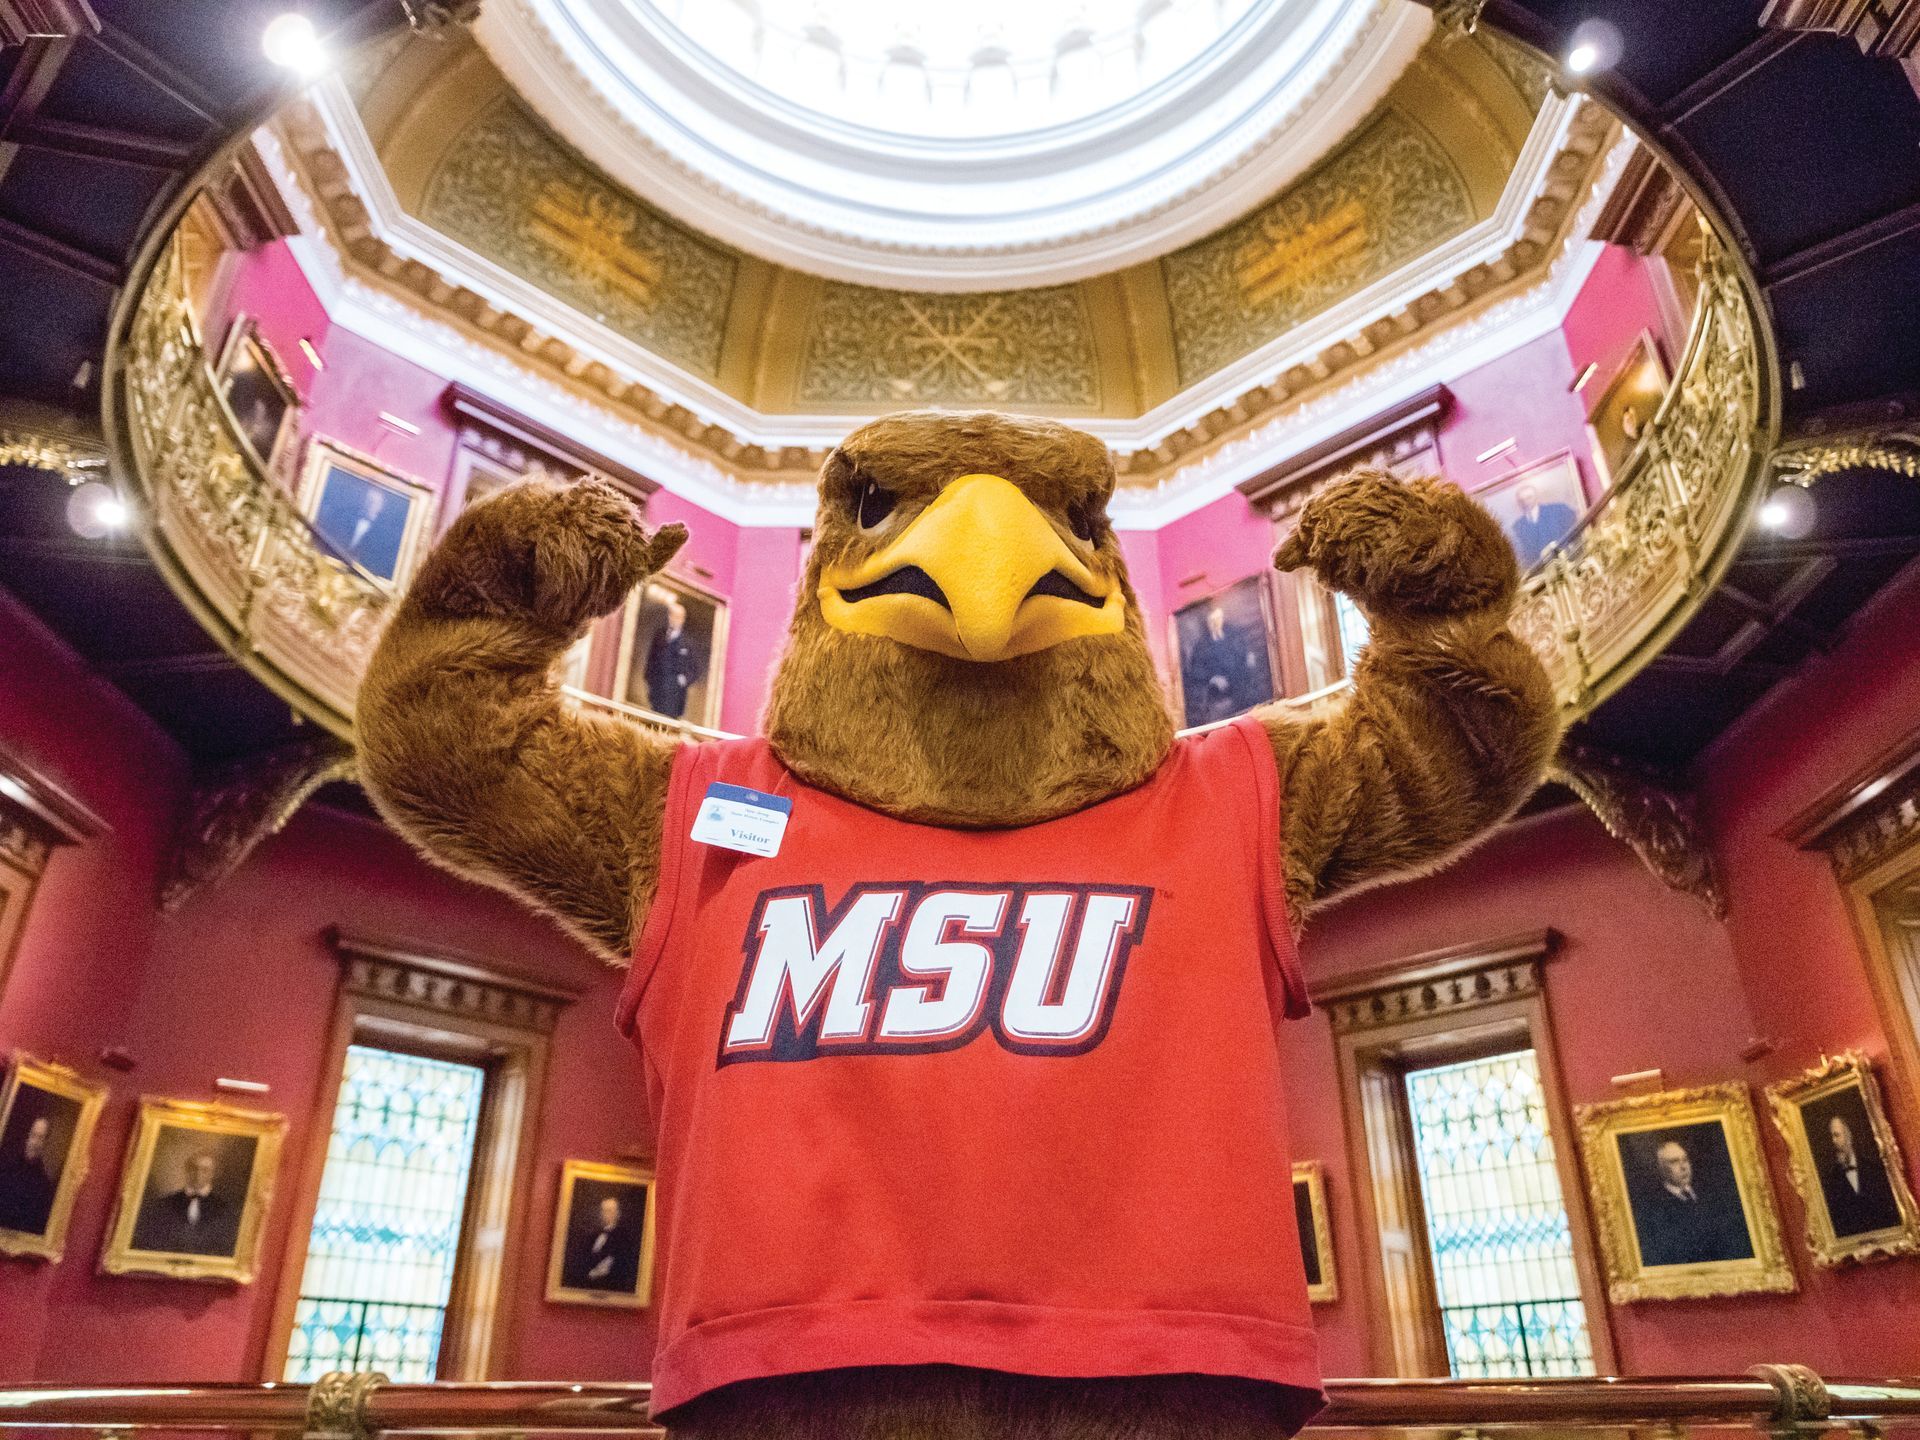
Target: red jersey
x=1007, y=1099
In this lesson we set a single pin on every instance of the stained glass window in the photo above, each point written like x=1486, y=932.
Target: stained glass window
x=386, y=1231
x=1496, y=1222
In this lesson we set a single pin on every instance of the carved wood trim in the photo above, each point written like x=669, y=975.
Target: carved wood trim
x=34, y=801
x=462, y=987
x=1440, y=982
x=1867, y=819
x=545, y=441
x=24, y=20
x=1283, y=488
x=1648, y=812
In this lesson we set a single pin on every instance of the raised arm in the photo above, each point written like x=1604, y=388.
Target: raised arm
x=1451, y=719
x=466, y=744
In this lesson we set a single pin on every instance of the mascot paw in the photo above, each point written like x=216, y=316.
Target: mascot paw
x=559, y=554
x=1418, y=547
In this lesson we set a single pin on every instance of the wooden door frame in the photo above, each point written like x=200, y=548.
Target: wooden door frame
x=1436, y=1008
x=447, y=1007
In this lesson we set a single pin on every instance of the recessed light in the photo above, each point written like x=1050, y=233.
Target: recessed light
x=95, y=510
x=291, y=42
x=1789, y=512
x=1594, y=45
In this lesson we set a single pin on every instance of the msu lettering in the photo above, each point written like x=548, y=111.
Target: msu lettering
x=909, y=968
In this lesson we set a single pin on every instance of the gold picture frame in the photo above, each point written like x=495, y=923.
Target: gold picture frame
x=1870, y=1214
x=618, y=1270
x=1670, y=1175
x=178, y=1146
x=48, y=1113
x=348, y=497
x=1623, y=411
x=1208, y=699
x=1316, y=1233
x=706, y=625
x=256, y=391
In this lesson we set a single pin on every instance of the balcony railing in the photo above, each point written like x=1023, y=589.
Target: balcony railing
x=1777, y=1399
x=231, y=540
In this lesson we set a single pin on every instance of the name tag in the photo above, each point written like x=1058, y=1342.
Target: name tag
x=735, y=818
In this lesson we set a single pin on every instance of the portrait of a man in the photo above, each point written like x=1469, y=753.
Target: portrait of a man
x=197, y=1182
x=1537, y=506
x=193, y=1201
x=1685, y=1199
x=46, y=1119
x=1853, y=1175
x=362, y=520
x=1316, y=1234
x=673, y=659
x=260, y=399
x=1226, y=665
x=603, y=1236
x=1846, y=1163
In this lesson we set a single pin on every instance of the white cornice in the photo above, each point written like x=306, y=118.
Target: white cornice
x=412, y=238
x=404, y=328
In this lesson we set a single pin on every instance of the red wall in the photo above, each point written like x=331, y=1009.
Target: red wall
x=240, y=983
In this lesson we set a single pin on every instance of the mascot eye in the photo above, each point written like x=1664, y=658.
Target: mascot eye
x=875, y=504
x=1081, y=518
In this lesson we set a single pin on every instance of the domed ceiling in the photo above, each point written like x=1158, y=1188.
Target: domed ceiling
x=442, y=181
x=871, y=140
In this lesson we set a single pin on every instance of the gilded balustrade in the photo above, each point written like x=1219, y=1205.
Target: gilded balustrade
x=235, y=545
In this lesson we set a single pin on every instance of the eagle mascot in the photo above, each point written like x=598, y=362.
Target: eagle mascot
x=958, y=988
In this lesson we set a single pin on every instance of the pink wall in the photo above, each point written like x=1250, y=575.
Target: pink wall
x=1524, y=396
x=1800, y=959
x=1620, y=301
x=240, y=983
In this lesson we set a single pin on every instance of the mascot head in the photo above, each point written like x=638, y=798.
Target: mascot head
x=966, y=649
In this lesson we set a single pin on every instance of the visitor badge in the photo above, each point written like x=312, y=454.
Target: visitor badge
x=739, y=819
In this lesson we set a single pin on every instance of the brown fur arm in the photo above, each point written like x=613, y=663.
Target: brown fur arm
x=466, y=744
x=1451, y=719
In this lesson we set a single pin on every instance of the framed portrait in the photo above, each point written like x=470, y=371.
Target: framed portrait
x=47, y=1115
x=1316, y=1235
x=1681, y=1198
x=673, y=650
x=1620, y=411
x=1537, y=505
x=602, y=1236
x=1845, y=1162
x=366, y=514
x=1224, y=644
x=195, y=1191
x=257, y=389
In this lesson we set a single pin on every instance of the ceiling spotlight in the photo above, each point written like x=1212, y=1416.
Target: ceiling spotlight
x=292, y=43
x=1789, y=512
x=95, y=510
x=1595, y=45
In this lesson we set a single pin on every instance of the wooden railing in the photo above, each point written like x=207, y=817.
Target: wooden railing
x=1779, y=1399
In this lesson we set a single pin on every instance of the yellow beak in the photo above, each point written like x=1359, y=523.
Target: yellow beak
x=978, y=575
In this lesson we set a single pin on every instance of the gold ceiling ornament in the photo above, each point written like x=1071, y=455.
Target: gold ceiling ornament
x=1649, y=813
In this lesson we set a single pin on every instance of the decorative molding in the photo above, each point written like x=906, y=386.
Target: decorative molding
x=24, y=20
x=462, y=987
x=437, y=19
x=1868, y=819
x=53, y=453
x=248, y=203
x=1649, y=813
x=1462, y=17
x=1644, y=207
x=1397, y=431
x=1441, y=982
x=490, y=415
x=1803, y=1396
x=1568, y=159
x=229, y=812
x=1885, y=28
x=35, y=801
x=1892, y=446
